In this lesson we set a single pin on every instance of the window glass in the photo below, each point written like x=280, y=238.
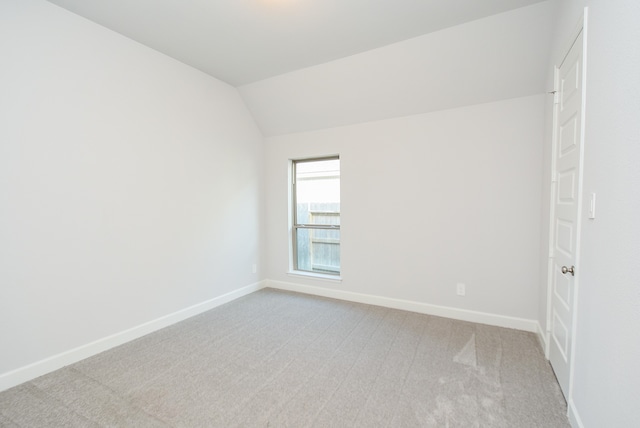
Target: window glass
x=316, y=229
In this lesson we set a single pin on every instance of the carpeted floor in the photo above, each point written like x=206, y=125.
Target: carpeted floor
x=276, y=359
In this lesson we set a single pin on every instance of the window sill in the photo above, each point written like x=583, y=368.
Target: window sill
x=312, y=275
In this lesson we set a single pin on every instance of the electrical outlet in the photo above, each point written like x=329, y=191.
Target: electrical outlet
x=254, y=268
x=461, y=289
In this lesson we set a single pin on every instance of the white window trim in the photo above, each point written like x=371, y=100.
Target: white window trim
x=314, y=275
x=303, y=273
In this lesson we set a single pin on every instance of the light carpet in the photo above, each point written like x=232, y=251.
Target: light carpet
x=281, y=359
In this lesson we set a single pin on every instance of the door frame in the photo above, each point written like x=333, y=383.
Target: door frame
x=580, y=27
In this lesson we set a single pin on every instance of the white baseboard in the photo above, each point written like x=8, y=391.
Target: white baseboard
x=407, y=305
x=574, y=417
x=55, y=362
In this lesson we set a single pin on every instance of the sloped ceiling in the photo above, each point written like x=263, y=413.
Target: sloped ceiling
x=243, y=41
x=496, y=58
x=302, y=65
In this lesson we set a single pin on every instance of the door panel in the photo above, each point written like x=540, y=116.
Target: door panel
x=568, y=132
x=567, y=187
x=562, y=289
x=560, y=335
x=564, y=237
x=570, y=84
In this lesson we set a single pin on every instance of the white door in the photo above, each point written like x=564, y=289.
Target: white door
x=566, y=211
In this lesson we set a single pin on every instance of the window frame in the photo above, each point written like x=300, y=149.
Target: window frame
x=295, y=226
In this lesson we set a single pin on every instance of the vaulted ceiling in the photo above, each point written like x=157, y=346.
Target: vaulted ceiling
x=303, y=65
x=244, y=41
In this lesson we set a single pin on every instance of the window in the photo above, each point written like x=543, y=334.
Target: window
x=316, y=215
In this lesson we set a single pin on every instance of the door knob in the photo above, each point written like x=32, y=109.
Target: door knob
x=570, y=270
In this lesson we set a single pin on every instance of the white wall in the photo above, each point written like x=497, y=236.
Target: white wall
x=499, y=57
x=428, y=201
x=129, y=184
x=606, y=383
